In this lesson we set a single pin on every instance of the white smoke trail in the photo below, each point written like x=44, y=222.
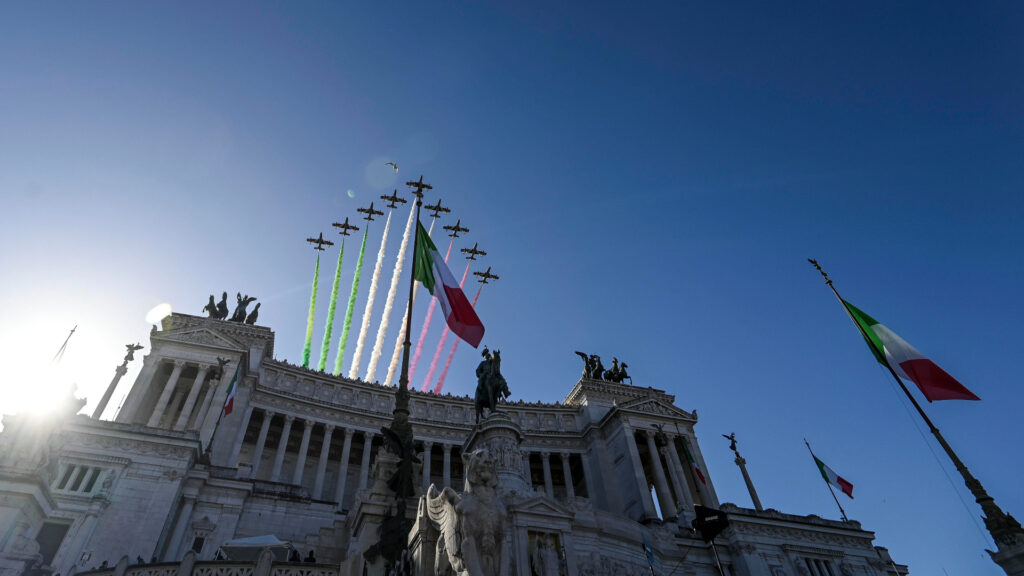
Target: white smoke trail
x=389, y=302
x=397, y=354
x=357, y=356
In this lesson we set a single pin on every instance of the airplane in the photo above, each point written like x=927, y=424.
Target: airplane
x=345, y=227
x=392, y=199
x=484, y=276
x=437, y=209
x=320, y=242
x=473, y=252
x=419, y=187
x=369, y=212
x=456, y=229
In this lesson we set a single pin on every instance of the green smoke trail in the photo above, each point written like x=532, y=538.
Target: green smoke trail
x=351, y=306
x=312, y=312
x=325, y=348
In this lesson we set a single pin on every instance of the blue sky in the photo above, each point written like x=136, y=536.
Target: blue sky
x=648, y=181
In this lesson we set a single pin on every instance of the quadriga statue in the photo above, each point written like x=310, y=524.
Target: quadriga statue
x=472, y=523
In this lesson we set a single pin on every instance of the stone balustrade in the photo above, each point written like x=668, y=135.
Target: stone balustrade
x=188, y=567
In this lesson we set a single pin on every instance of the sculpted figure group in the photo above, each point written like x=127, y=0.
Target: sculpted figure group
x=219, y=310
x=594, y=369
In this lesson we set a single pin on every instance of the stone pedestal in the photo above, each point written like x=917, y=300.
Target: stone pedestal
x=501, y=436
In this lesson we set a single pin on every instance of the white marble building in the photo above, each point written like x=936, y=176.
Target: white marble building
x=159, y=489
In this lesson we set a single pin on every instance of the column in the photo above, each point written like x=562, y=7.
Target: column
x=118, y=373
x=257, y=454
x=165, y=396
x=679, y=476
x=188, y=502
x=364, y=471
x=300, y=464
x=282, y=445
x=346, y=451
x=204, y=408
x=585, y=461
x=321, y=463
x=668, y=507
x=570, y=493
x=638, y=469
x=138, y=391
x=190, y=402
x=448, y=465
x=427, y=446
x=527, y=471
x=237, y=448
x=548, y=486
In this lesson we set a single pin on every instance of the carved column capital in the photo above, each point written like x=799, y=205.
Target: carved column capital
x=329, y=427
x=179, y=364
x=268, y=414
x=447, y=448
x=203, y=367
x=288, y=418
x=545, y=454
x=565, y=456
x=427, y=445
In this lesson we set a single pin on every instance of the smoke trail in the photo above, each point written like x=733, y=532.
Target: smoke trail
x=312, y=313
x=425, y=328
x=451, y=353
x=351, y=305
x=401, y=329
x=357, y=356
x=389, y=302
x=325, y=348
x=440, y=344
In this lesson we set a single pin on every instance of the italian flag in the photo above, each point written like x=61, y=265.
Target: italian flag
x=909, y=364
x=229, y=403
x=832, y=478
x=429, y=268
x=693, y=463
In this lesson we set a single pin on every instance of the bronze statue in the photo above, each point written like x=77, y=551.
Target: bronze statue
x=596, y=367
x=490, y=383
x=243, y=303
x=221, y=363
x=222, y=307
x=131, y=352
x=732, y=441
x=251, y=318
x=210, y=308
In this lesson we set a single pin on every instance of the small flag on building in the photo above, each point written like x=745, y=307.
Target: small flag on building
x=430, y=269
x=832, y=478
x=693, y=463
x=229, y=403
x=907, y=362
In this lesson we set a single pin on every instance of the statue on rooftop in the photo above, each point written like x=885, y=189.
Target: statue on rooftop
x=251, y=318
x=211, y=308
x=131, y=352
x=222, y=307
x=243, y=303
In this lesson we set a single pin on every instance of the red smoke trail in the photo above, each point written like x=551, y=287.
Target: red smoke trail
x=440, y=344
x=451, y=353
x=426, y=327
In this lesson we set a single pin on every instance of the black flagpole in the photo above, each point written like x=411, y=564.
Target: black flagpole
x=827, y=483
x=403, y=378
x=1001, y=526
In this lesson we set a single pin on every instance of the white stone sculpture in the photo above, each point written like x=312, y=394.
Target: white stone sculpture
x=472, y=524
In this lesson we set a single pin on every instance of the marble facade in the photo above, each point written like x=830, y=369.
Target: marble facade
x=170, y=479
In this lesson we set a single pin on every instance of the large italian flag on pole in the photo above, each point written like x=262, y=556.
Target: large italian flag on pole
x=832, y=478
x=907, y=362
x=430, y=269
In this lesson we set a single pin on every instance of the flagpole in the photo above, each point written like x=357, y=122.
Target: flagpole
x=1001, y=526
x=829, y=484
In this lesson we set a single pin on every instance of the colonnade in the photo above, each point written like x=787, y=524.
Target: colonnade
x=181, y=408
x=567, y=476
x=671, y=499
x=320, y=490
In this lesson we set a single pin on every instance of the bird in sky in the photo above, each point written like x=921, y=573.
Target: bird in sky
x=393, y=165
